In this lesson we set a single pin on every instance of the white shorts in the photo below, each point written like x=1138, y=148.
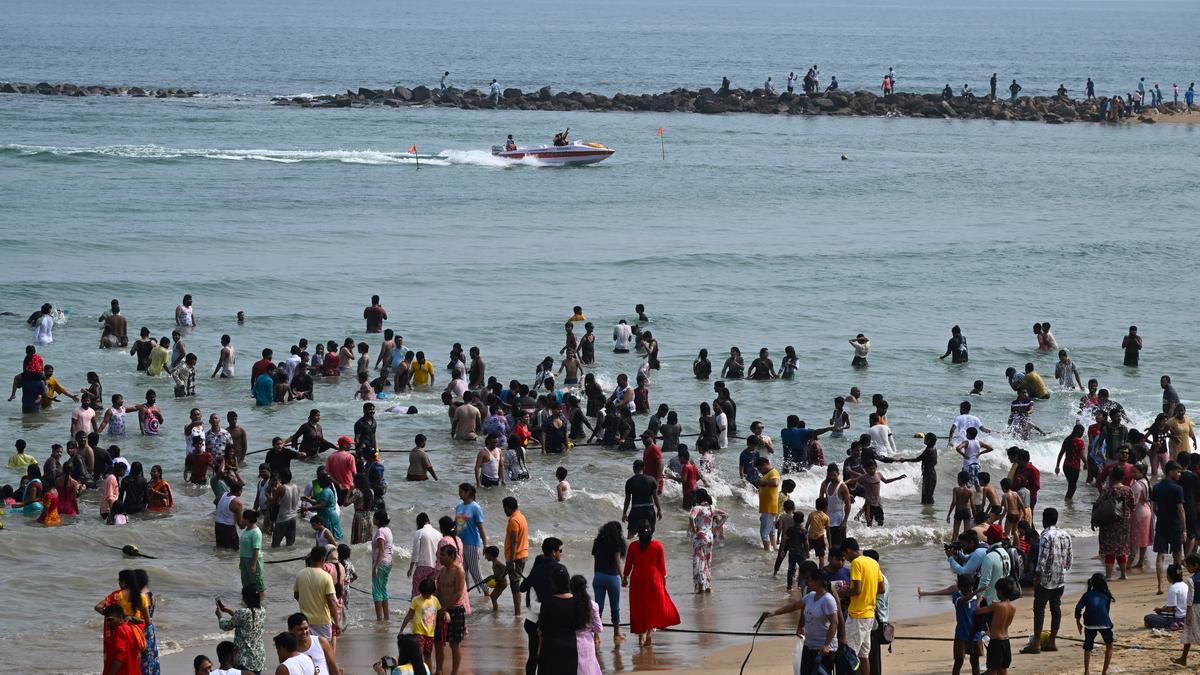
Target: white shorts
x=858, y=635
x=324, y=630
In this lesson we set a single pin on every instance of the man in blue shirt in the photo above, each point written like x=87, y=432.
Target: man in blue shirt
x=969, y=559
x=468, y=517
x=796, y=440
x=264, y=386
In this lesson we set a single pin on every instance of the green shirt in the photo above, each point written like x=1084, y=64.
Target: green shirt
x=251, y=541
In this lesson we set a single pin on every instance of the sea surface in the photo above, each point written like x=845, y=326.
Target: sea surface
x=752, y=231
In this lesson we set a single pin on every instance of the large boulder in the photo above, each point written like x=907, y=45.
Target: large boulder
x=544, y=94
x=513, y=93
x=825, y=104
x=420, y=94
x=402, y=93
x=9, y=88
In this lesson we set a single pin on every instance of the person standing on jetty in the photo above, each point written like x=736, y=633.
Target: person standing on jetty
x=1014, y=89
x=992, y=86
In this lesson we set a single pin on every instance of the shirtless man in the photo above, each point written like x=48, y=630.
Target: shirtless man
x=114, y=331
x=999, y=652
x=225, y=359
x=960, y=504
x=762, y=368
x=404, y=372
x=477, y=371
x=467, y=420
x=991, y=507
x=1013, y=510
x=573, y=368
x=383, y=362
x=237, y=435
x=451, y=618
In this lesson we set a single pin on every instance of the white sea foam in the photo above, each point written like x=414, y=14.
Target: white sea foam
x=369, y=157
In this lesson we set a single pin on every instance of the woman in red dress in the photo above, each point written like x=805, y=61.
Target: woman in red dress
x=645, y=574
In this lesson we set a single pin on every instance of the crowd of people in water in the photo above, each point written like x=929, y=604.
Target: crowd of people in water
x=1146, y=496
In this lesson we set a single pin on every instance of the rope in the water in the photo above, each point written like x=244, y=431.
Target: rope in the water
x=127, y=549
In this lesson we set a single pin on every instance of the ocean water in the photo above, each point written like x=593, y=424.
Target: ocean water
x=752, y=232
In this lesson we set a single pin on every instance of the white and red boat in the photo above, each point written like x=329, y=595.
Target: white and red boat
x=572, y=154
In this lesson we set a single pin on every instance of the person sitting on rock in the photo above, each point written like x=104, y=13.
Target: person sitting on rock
x=947, y=93
x=1062, y=90
x=510, y=144
x=833, y=84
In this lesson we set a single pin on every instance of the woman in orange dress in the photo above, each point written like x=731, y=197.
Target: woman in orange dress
x=49, y=517
x=160, y=499
x=645, y=574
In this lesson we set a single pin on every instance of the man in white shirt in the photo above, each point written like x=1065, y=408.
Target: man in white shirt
x=291, y=362
x=881, y=436
x=424, y=552
x=43, y=326
x=965, y=420
x=622, y=334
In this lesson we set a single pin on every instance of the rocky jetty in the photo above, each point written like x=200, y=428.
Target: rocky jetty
x=68, y=89
x=1049, y=109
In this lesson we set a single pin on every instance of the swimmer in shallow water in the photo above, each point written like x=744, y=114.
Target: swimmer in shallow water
x=402, y=410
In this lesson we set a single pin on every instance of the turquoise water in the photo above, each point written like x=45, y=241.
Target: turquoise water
x=752, y=232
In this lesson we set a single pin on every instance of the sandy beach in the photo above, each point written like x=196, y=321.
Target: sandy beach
x=923, y=645
x=496, y=642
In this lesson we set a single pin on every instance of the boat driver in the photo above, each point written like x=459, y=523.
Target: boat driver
x=510, y=144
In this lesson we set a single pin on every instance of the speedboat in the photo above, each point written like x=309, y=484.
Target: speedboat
x=572, y=154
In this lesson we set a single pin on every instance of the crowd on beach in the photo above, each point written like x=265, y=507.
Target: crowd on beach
x=842, y=590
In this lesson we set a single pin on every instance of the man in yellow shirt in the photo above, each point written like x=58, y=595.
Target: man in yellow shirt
x=21, y=460
x=1034, y=383
x=159, y=357
x=866, y=582
x=422, y=372
x=314, y=591
x=53, y=388
x=768, y=501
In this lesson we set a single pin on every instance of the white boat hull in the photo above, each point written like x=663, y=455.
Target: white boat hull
x=574, y=154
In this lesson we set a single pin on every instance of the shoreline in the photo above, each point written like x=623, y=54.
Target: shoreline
x=838, y=103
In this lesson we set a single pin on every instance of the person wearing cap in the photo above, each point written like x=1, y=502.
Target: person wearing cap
x=991, y=571
x=341, y=468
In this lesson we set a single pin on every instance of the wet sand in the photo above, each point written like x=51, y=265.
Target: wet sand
x=921, y=645
x=496, y=642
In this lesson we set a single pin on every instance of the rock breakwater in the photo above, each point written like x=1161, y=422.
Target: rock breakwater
x=1048, y=109
x=80, y=90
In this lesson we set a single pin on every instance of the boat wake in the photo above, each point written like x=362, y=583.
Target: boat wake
x=158, y=153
